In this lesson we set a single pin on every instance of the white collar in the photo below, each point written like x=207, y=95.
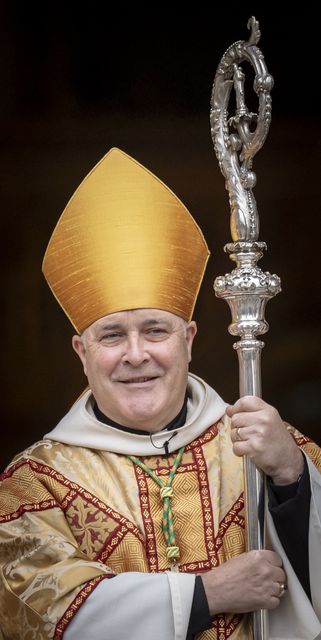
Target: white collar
x=80, y=427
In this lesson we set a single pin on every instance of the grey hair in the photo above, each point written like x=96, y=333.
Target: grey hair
x=83, y=336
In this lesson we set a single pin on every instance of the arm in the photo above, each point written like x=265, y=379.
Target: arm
x=285, y=503
x=42, y=567
x=258, y=431
x=136, y=606
x=200, y=618
x=48, y=585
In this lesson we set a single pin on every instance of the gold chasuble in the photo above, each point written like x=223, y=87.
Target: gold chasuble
x=72, y=516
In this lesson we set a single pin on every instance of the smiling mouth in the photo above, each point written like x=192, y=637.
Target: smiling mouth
x=139, y=380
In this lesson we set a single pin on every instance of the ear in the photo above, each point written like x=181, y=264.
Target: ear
x=78, y=346
x=191, y=331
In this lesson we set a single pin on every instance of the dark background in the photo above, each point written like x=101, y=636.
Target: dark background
x=76, y=80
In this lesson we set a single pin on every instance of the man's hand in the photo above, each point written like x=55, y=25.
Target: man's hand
x=258, y=432
x=248, y=582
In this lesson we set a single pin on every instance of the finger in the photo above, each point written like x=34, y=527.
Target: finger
x=246, y=403
x=242, y=434
x=279, y=576
x=249, y=419
x=252, y=442
x=273, y=558
x=242, y=448
x=238, y=434
x=274, y=603
x=276, y=589
x=279, y=589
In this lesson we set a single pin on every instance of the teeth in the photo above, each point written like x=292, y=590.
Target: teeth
x=138, y=380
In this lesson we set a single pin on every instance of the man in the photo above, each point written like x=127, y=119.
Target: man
x=127, y=520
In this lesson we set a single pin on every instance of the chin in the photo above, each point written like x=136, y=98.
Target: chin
x=144, y=420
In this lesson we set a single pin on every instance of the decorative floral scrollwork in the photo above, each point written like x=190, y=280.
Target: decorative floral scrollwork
x=239, y=137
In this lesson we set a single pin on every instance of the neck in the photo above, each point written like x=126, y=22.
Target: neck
x=177, y=422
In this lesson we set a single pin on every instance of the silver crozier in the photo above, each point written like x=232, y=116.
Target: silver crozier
x=237, y=138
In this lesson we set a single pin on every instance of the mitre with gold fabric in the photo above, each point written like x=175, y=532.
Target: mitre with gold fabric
x=124, y=241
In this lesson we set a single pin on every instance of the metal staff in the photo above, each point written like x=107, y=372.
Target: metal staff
x=247, y=288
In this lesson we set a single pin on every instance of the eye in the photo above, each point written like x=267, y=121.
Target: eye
x=156, y=332
x=113, y=336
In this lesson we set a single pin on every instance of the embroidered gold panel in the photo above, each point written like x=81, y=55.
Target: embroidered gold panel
x=114, y=525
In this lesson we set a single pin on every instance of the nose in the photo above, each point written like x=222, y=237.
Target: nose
x=135, y=352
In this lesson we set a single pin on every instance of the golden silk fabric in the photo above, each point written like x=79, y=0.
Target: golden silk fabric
x=124, y=241
x=71, y=517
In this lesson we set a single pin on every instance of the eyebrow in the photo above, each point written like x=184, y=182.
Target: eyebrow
x=114, y=326
x=155, y=321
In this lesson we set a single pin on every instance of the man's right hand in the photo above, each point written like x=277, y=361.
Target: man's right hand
x=248, y=582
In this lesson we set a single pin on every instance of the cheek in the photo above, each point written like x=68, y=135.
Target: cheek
x=178, y=365
x=99, y=367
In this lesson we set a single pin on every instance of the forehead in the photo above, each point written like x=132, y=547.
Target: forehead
x=137, y=317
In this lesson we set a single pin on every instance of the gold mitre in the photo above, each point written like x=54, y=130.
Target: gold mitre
x=124, y=241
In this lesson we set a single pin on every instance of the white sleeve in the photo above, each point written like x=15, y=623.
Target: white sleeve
x=136, y=605
x=315, y=538
x=296, y=618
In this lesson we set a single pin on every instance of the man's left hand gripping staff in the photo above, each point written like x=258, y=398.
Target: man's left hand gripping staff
x=258, y=431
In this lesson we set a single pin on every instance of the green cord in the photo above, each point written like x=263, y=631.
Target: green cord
x=166, y=493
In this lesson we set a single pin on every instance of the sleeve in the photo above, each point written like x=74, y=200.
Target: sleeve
x=285, y=503
x=147, y=601
x=200, y=618
x=49, y=588
x=297, y=616
x=315, y=536
x=42, y=569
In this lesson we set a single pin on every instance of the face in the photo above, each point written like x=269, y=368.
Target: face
x=136, y=363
